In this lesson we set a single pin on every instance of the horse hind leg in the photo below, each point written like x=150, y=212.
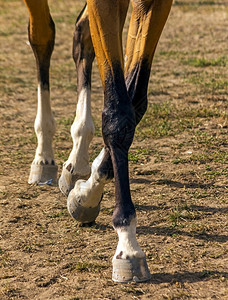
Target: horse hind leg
x=82, y=130
x=41, y=34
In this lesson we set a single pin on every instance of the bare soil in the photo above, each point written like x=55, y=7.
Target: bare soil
x=178, y=166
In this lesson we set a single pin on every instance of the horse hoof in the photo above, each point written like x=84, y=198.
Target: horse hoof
x=130, y=270
x=80, y=213
x=67, y=181
x=43, y=174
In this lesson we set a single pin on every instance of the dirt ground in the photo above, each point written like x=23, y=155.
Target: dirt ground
x=178, y=166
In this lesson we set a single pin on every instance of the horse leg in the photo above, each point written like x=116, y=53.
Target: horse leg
x=147, y=22
x=118, y=127
x=41, y=32
x=89, y=193
x=129, y=262
x=82, y=129
x=84, y=199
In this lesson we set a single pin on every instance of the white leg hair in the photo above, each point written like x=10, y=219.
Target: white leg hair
x=45, y=128
x=43, y=167
x=83, y=202
x=89, y=192
x=129, y=261
x=82, y=131
x=128, y=246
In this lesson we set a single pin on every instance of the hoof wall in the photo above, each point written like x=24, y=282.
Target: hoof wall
x=80, y=213
x=130, y=270
x=43, y=174
x=67, y=181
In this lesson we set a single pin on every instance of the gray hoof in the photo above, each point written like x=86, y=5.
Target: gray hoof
x=43, y=174
x=130, y=270
x=80, y=213
x=67, y=181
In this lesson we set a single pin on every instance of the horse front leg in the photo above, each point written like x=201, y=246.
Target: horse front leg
x=118, y=127
x=41, y=32
x=82, y=130
x=147, y=22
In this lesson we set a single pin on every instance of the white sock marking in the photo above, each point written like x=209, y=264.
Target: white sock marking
x=128, y=246
x=88, y=192
x=82, y=131
x=44, y=127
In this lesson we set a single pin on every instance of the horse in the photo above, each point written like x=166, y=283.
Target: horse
x=98, y=33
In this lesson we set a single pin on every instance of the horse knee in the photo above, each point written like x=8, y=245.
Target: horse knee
x=42, y=38
x=118, y=128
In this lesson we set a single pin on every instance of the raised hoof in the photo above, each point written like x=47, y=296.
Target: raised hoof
x=80, y=213
x=43, y=174
x=130, y=270
x=67, y=181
